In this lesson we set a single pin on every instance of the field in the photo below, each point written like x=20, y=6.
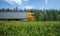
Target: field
x=19, y=28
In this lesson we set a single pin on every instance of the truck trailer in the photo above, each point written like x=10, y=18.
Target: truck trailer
x=17, y=16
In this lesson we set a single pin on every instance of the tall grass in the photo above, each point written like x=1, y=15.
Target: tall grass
x=19, y=28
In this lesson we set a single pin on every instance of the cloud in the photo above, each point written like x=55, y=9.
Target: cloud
x=19, y=2
x=29, y=7
x=46, y=1
x=14, y=1
x=43, y=6
x=25, y=0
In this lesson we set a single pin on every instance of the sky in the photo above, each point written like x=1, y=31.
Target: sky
x=30, y=4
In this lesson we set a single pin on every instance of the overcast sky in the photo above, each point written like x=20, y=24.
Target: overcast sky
x=30, y=4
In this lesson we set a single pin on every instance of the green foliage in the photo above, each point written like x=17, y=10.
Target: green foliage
x=18, y=28
x=41, y=16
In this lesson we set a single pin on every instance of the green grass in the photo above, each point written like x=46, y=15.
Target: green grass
x=19, y=28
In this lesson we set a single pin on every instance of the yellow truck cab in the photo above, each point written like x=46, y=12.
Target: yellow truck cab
x=30, y=16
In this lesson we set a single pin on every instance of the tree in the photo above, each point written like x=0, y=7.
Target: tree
x=41, y=16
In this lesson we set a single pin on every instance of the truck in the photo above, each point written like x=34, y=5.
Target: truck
x=23, y=16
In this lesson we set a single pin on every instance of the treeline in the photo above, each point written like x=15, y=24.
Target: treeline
x=13, y=10
x=47, y=15
x=41, y=15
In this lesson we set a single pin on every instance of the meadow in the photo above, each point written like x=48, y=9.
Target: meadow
x=30, y=28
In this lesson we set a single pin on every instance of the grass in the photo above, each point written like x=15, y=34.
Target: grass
x=19, y=28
